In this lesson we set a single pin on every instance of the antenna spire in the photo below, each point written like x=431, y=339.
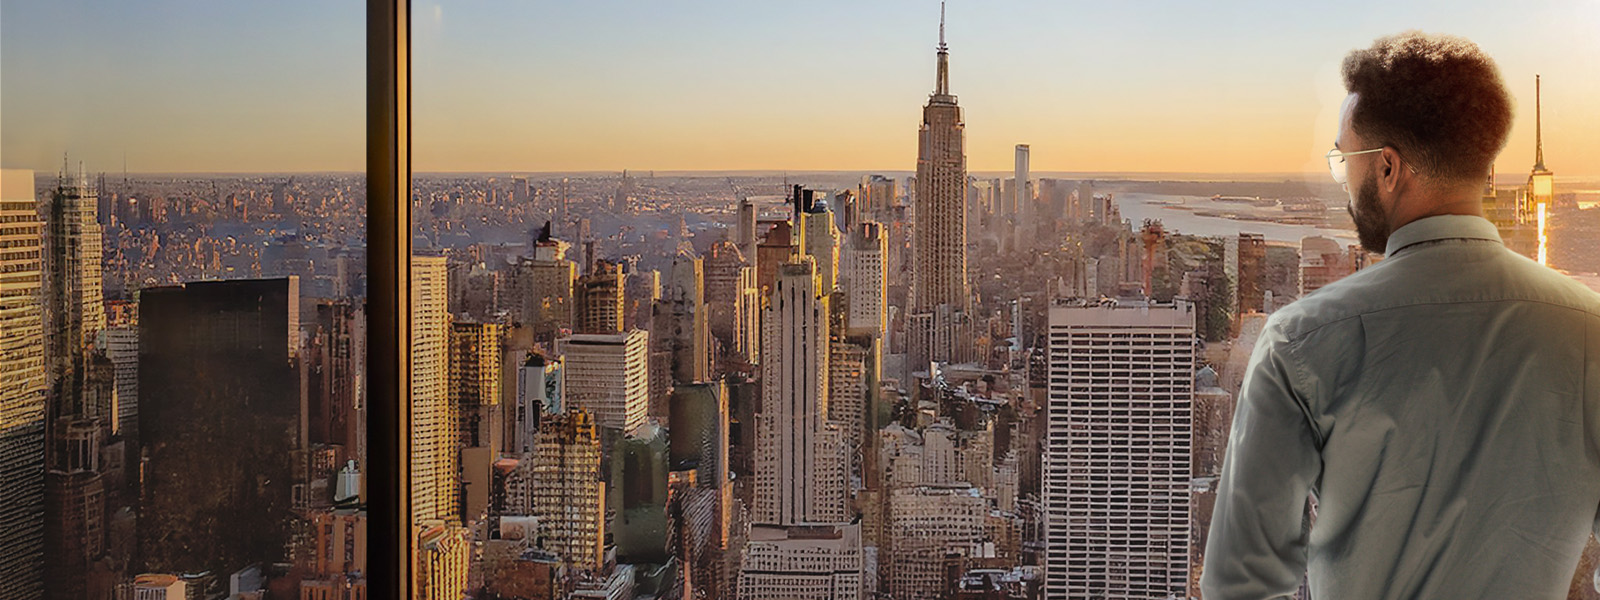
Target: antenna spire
x=1538, y=127
x=941, y=84
x=941, y=26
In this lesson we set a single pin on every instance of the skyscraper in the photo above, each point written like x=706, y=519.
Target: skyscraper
x=1541, y=182
x=866, y=280
x=547, y=282
x=1116, y=464
x=22, y=389
x=939, y=292
x=74, y=284
x=476, y=410
x=608, y=375
x=801, y=458
x=217, y=370
x=733, y=305
x=568, y=496
x=598, y=299
x=1023, y=203
x=681, y=327
x=434, y=475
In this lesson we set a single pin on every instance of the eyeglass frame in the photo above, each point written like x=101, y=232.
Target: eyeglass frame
x=1340, y=172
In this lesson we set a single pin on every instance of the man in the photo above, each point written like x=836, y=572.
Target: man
x=1443, y=406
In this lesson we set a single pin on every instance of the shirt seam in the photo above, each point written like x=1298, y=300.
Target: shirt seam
x=1299, y=337
x=1468, y=238
x=1297, y=386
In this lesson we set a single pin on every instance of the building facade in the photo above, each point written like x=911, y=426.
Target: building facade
x=801, y=455
x=608, y=375
x=22, y=388
x=1117, y=451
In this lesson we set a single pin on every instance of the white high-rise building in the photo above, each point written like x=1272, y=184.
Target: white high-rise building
x=433, y=436
x=866, y=281
x=609, y=376
x=22, y=389
x=801, y=456
x=1116, y=464
x=813, y=562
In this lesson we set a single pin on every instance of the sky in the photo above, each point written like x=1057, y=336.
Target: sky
x=537, y=85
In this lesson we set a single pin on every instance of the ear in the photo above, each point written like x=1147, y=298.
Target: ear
x=1390, y=169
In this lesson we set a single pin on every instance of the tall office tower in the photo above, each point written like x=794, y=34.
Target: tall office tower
x=622, y=200
x=22, y=388
x=475, y=382
x=217, y=371
x=803, y=562
x=568, y=497
x=733, y=306
x=822, y=241
x=681, y=327
x=926, y=523
x=122, y=347
x=1252, y=263
x=781, y=245
x=1541, y=182
x=1023, y=202
x=801, y=458
x=597, y=300
x=338, y=392
x=1321, y=262
x=434, y=472
x=939, y=291
x=855, y=364
x=865, y=280
x=475, y=352
x=609, y=376
x=547, y=282
x=73, y=292
x=876, y=194
x=541, y=392
x=1117, y=451
x=746, y=240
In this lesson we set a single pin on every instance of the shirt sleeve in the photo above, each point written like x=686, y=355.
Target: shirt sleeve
x=1256, y=548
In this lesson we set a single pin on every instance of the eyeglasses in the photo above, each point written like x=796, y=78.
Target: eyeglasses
x=1336, y=164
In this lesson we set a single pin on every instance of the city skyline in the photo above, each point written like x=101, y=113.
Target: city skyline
x=547, y=89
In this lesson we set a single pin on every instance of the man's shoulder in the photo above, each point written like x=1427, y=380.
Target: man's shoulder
x=1350, y=296
x=1420, y=278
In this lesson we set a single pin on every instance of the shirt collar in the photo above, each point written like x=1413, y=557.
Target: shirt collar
x=1441, y=227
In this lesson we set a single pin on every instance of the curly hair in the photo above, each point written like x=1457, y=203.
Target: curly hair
x=1438, y=99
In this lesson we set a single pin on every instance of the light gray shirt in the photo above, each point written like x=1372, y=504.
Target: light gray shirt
x=1443, y=406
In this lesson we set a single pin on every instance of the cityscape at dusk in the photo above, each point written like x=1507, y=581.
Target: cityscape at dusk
x=895, y=301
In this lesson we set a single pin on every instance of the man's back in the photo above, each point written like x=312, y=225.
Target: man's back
x=1444, y=405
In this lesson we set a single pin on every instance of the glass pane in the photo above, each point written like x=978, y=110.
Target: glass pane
x=835, y=300
x=181, y=333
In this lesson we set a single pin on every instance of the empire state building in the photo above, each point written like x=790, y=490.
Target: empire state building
x=940, y=298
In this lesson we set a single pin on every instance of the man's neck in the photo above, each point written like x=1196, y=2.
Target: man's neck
x=1433, y=203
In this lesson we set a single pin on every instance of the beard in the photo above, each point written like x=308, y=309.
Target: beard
x=1372, y=226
